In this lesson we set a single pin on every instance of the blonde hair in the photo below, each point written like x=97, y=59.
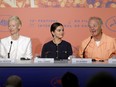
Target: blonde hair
x=15, y=18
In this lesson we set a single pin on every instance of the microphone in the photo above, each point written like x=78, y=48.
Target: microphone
x=46, y=54
x=10, y=49
x=86, y=47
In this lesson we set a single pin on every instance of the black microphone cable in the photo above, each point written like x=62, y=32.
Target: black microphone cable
x=86, y=47
x=10, y=49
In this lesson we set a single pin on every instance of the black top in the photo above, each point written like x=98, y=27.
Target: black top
x=61, y=51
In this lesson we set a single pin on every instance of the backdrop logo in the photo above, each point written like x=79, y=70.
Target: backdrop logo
x=4, y=23
x=111, y=23
x=56, y=82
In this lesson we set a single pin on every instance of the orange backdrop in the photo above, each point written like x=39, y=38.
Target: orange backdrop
x=37, y=21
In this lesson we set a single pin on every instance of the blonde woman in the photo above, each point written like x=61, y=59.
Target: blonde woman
x=16, y=46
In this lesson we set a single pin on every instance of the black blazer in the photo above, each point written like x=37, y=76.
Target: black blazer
x=61, y=51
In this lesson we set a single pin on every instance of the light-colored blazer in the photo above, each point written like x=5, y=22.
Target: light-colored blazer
x=19, y=48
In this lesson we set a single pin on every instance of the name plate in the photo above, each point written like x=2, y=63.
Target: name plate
x=81, y=60
x=2, y=60
x=112, y=61
x=43, y=60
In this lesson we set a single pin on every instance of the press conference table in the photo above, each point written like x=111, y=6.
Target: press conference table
x=28, y=63
x=47, y=74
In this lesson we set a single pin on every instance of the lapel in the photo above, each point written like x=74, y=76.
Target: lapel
x=19, y=46
x=92, y=43
x=102, y=41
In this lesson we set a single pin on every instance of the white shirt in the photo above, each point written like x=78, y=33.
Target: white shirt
x=97, y=43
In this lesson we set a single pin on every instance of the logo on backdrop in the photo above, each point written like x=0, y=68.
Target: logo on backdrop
x=4, y=23
x=111, y=23
x=56, y=82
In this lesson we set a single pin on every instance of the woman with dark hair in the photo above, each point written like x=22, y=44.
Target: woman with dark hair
x=57, y=48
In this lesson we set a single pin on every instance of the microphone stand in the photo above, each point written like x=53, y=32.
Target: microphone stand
x=10, y=49
x=86, y=47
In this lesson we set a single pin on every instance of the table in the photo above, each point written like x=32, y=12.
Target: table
x=49, y=74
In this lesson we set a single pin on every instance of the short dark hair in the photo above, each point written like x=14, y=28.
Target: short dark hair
x=54, y=26
x=69, y=80
x=102, y=79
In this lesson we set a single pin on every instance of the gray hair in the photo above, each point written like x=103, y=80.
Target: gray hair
x=96, y=18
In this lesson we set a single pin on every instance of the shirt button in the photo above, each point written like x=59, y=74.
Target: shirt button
x=65, y=51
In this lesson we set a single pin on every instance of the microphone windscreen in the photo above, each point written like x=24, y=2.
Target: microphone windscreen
x=11, y=42
x=91, y=37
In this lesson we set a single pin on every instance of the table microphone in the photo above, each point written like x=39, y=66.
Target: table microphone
x=86, y=47
x=46, y=54
x=10, y=49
